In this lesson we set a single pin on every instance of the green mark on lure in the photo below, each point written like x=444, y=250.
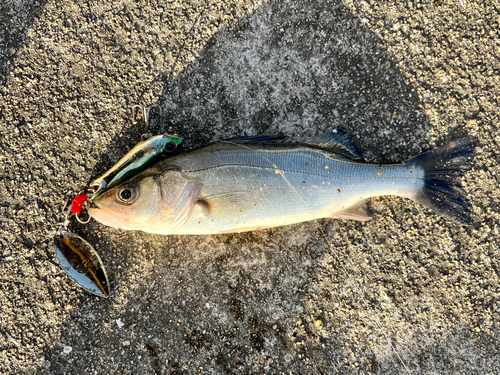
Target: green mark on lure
x=141, y=157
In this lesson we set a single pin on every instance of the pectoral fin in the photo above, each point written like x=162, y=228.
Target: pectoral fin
x=358, y=212
x=225, y=203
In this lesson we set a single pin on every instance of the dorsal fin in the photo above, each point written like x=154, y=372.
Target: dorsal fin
x=338, y=142
x=227, y=204
x=334, y=141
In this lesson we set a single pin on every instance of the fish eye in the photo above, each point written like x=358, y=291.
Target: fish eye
x=170, y=146
x=127, y=194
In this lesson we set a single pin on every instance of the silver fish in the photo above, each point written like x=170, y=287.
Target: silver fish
x=246, y=184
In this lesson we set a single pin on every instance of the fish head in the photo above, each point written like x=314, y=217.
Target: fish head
x=154, y=201
x=131, y=205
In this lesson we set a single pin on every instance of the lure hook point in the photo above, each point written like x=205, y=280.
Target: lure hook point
x=146, y=115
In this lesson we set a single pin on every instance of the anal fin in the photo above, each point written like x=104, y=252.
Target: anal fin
x=359, y=212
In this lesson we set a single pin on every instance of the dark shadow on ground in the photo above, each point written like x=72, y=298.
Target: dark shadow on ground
x=232, y=303
x=299, y=71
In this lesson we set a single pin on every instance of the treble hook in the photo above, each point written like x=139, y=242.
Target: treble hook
x=146, y=115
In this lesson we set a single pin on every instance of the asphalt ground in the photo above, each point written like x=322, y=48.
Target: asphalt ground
x=405, y=293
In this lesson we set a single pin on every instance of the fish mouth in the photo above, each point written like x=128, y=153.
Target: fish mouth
x=111, y=217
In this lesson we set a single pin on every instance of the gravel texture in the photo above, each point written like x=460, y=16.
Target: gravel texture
x=405, y=293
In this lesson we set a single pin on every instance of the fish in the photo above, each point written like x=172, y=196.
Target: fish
x=251, y=183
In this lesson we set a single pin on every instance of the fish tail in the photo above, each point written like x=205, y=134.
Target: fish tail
x=443, y=169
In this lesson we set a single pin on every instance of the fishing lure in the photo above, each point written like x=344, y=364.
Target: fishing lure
x=75, y=255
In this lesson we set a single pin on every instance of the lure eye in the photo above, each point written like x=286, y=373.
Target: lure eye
x=170, y=146
x=127, y=194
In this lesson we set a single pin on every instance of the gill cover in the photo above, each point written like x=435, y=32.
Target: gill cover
x=153, y=201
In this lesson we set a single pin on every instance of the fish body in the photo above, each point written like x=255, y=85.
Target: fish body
x=246, y=184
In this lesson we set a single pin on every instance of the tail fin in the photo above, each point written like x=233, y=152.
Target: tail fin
x=443, y=168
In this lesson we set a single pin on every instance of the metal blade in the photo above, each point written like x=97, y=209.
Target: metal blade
x=81, y=262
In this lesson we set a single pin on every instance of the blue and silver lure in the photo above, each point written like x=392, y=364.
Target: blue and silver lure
x=75, y=255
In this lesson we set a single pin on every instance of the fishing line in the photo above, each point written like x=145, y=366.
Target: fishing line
x=354, y=283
